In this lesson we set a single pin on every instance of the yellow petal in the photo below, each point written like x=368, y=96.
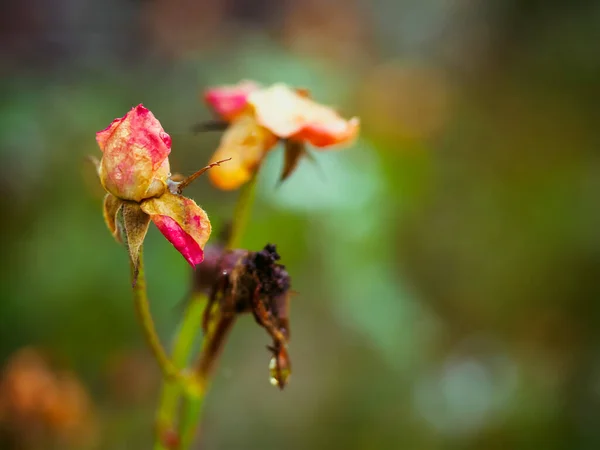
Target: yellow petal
x=246, y=143
x=182, y=222
x=135, y=162
x=291, y=114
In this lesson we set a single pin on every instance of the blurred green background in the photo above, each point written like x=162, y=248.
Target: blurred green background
x=448, y=264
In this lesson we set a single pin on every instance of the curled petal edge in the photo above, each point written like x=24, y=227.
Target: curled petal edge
x=290, y=113
x=182, y=222
x=246, y=143
x=110, y=208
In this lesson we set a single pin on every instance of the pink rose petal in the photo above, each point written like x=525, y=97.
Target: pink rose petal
x=183, y=242
x=182, y=222
x=104, y=135
x=230, y=100
x=135, y=163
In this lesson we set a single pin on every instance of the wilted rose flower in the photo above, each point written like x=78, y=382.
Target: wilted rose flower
x=241, y=281
x=135, y=171
x=259, y=117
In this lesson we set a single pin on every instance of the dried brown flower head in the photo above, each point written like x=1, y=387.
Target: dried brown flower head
x=242, y=281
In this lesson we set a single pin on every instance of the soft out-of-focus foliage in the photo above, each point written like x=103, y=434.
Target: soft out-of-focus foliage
x=447, y=264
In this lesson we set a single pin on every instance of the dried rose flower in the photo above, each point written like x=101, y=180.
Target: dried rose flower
x=241, y=281
x=258, y=117
x=135, y=172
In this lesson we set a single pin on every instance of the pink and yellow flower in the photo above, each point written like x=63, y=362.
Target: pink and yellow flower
x=259, y=117
x=230, y=100
x=135, y=172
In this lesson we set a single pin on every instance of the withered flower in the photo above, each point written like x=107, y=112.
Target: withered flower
x=257, y=118
x=242, y=281
x=135, y=172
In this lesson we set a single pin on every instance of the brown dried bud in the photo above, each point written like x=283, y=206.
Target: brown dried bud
x=241, y=281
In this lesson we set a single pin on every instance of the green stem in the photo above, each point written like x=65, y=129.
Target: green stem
x=182, y=349
x=189, y=180
x=212, y=345
x=142, y=307
x=220, y=326
x=241, y=215
x=192, y=409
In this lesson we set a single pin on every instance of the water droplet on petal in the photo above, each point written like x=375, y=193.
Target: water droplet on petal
x=279, y=369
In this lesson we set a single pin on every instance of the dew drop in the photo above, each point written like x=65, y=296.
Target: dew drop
x=279, y=370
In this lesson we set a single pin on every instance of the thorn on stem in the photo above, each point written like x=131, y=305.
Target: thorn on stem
x=185, y=183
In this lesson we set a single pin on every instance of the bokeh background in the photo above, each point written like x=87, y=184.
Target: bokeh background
x=448, y=264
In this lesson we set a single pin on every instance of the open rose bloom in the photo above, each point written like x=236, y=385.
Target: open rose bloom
x=259, y=117
x=135, y=172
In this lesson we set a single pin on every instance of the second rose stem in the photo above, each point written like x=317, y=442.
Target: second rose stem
x=183, y=344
